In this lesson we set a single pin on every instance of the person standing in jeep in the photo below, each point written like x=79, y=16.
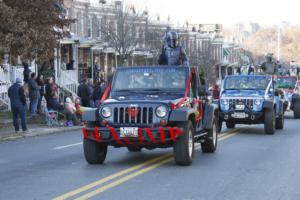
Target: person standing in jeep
x=173, y=53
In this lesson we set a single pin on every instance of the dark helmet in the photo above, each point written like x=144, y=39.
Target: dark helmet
x=269, y=57
x=173, y=39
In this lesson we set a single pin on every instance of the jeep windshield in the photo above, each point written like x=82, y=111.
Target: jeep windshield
x=150, y=79
x=286, y=82
x=246, y=82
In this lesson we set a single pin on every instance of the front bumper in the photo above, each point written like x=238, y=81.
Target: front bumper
x=157, y=137
x=251, y=117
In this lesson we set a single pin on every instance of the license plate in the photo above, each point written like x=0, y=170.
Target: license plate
x=239, y=115
x=129, y=132
x=240, y=107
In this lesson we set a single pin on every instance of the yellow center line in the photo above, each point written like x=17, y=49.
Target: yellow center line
x=108, y=178
x=163, y=159
x=124, y=179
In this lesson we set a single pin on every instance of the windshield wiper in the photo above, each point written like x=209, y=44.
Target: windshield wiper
x=157, y=90
x=126, y=90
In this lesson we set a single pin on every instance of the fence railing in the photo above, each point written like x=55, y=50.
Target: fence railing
x=67, y=82
x=4, y=99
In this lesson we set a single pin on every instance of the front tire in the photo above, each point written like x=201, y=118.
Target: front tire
x=270, y=121
x=94, y=152
x=297, y=110
x=211, y=141
x=230, y=125
x=220, y=126
x=280, y=122
x=184, y=145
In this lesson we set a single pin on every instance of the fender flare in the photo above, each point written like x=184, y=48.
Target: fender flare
x=209, y=115
x=181, y=114
x=90, y=115
x=268, y=104
x=280, y=107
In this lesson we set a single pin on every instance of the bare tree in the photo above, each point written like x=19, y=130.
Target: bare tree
x=122, y=32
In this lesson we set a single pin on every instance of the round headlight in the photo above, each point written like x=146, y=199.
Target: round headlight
x=224, y=101
x=106, y=112
x=257, y=102
x=161, y=111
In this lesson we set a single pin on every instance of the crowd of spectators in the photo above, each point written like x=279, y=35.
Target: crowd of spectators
x=37, y=90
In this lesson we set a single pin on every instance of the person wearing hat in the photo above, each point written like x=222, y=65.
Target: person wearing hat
x=18, y=104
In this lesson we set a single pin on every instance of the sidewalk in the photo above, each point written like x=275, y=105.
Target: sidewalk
x=8, y=133
x=36, y=128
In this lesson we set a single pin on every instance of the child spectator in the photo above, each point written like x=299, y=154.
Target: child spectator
x=70, y=111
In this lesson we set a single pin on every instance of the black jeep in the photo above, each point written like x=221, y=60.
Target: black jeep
x=152, y=107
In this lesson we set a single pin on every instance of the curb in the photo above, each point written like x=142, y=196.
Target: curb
x=40, y=133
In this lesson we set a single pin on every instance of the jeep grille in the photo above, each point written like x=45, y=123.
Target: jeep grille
x=144, y=115
x=247, y=102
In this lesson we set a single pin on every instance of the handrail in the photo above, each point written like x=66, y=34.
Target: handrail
x=67, y=82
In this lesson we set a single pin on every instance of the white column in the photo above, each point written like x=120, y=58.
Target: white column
x=56, y=63
x=105, y=65
x=92, y=57
x=132, y=60
x=116, y=58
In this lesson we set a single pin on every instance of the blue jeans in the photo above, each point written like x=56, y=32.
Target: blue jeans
x=33, y=106
x=19, y=111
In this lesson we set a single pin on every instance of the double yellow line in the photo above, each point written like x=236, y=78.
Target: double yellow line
x=137, y=170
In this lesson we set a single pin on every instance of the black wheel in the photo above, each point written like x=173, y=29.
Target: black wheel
x=94, y=152
x=270, y=121
x=210, y=143
x=184, y=145
x=220, y=125
x=279, y=122
x=297, y=110
x=134, y=149
x=230, y=125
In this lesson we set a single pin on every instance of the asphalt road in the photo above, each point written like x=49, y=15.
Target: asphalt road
x=247, y=165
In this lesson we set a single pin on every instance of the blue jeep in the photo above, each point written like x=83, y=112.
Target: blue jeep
x=152, y=107
x=251, y=99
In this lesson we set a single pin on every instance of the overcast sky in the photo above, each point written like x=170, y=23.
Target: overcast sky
x=266, y=12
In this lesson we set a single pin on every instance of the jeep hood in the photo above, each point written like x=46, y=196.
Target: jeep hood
x=243, y=93
x=143, y=97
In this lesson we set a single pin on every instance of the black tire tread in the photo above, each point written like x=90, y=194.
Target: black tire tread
x=94, y=152
x=181, y=153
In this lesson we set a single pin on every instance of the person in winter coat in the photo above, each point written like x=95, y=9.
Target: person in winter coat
x=26, y=73
x=216, y=92
x=51, y=96
x=18, y=104
x=34, y=94
x=97, y=94
x=40, y=81
x=84, y=93
x=91, y=88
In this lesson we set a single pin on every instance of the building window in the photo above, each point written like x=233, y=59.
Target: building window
x=99, y=28
x=89, y=23
x=81, y=24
